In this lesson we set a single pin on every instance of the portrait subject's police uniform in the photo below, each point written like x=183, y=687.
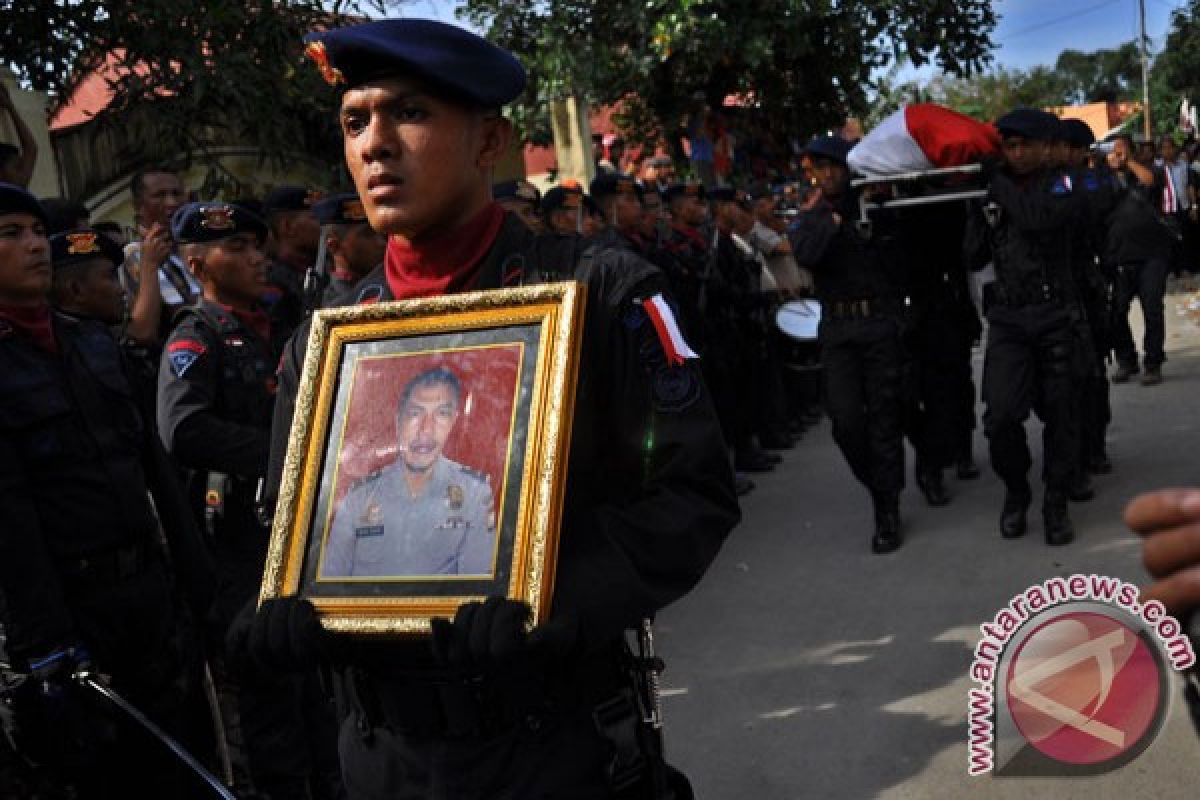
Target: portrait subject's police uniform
x=641, y=522
x=380, y=528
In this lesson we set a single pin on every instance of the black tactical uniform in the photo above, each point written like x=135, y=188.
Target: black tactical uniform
x=215, y=399
x=81, y=558
x=639, y=530
x=1028, y=231
x=943, y=327
x=859, y=281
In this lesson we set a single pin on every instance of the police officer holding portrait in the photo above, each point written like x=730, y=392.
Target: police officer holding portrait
x=423, y=514
x=1027, y=228
x=487, y=708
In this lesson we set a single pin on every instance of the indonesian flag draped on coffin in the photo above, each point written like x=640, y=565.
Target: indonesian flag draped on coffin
x=922, y=137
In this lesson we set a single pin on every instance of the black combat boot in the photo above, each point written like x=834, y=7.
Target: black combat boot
x=1012, y=517
x=1080, y=489
x=930, y=482
x=1099, y=464
x=887, y=524
x=1059, y=530
x=1124, y=372
x=964, y=464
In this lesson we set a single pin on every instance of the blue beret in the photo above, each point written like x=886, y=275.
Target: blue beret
x=1029, y=123
x=1077, y=133
x=290, y=198
x=517, y=190
x=81, y=245
x=465, y=66
x=682, y=189
x=834, y=148
x=198, y=223
x=340, y=209
x=610, y=183
x=16, y=200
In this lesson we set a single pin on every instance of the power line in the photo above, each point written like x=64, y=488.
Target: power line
x=1059, y=20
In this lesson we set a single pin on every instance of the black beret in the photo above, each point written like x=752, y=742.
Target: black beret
x=82, y=245
x=834, y=148
x=1029, y=123
x=16, y=200
x=517, y=190
x=340, y=209
x=198, y=223
x=466, y=66
x=1078, y=133
x=610, y=183
x=290, y=198
x=681, y=189
x=570, y=197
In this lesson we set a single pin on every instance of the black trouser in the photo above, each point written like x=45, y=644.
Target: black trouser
x=1030, y=366
x=942, y=415
x=1147, y=281
x=1092, y=382
x=864, y=363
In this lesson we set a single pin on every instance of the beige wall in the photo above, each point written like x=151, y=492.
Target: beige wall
x=32, y=108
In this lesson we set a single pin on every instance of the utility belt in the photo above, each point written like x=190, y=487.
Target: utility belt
x=431, y=708
x=1033, y=294
x=111, y=566
x=861, y=309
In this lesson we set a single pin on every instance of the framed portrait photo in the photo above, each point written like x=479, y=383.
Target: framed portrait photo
x=427, y=457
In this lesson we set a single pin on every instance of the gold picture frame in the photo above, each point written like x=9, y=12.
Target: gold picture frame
x=385, y=549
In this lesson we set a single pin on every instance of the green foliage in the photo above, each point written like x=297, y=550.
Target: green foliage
x=1179, y=64
x=214, y=71
x=804, y=64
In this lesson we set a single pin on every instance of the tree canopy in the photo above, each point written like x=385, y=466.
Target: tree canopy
x=801, y=65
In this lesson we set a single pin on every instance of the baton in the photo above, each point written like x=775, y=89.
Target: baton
x=86, y=680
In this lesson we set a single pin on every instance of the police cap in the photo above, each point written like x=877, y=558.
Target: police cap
x=16, y=200
x=612, y=183
x=834, y=148
x=684, y=190
x=290, y=198
x=517, y=190
x=340, y=209
x=464, y=66
x=1029, y=123
x=82, y=245
x=1077, y=133
x=569, y=197
x=199, y=223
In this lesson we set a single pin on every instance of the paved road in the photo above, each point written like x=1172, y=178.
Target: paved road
x=804, y=666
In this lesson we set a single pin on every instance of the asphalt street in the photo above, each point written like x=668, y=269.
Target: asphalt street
x=803, y=666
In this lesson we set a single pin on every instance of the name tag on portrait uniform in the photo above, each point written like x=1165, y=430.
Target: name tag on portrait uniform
x=452, y=523
x=367, y=531
x=370, y=523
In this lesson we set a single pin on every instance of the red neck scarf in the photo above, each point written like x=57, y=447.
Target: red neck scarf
x=691, y=234
x=441, y=264
x=33, y=322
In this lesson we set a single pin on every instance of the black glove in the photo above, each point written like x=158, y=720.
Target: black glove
x=490, y=638
x=284, y=635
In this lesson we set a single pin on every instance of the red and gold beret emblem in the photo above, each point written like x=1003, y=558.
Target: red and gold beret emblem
x=217, y=218
x=80, y=244
x=353, y=210
x=316, y=51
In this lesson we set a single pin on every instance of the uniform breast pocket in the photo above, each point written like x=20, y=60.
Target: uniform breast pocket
x=38, y=415
x=371, y=548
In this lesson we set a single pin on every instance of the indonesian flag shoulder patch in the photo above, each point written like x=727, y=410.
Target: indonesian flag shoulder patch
x=669, y=335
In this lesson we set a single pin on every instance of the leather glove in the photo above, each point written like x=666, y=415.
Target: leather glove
x=284, y=635
x=490, y=638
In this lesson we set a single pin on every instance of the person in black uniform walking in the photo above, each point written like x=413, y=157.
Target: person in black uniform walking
x=860, y=283
x=215, y=398
x=295, y=241
x=83, y=572
x=1028, y=230
x=437, y=719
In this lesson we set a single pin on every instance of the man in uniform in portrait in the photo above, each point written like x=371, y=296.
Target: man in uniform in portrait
x=423, y=514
